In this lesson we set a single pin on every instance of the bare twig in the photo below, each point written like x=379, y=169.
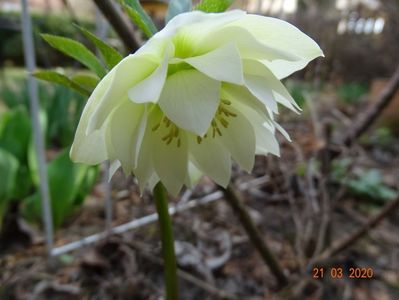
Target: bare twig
x=119, y=23
x=345, y=243
x=324, y=237
x=234, y=199
x=372, y=114
x=383, y=233
x=294, y=207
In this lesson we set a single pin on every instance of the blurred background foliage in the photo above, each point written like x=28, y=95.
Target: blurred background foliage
x=60, y=109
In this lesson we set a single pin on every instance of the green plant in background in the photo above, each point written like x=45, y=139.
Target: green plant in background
x=59, y=116
x=8, y=173
x=69, y=184
x=370, y=184
x=351, y=93
x=381, y=137
x=365, y=183
x=15, y=136
x=60, y=106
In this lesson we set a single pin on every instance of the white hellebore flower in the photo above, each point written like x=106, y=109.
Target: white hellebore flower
x=201, y=91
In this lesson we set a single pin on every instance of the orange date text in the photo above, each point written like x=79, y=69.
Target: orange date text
x=340, y=272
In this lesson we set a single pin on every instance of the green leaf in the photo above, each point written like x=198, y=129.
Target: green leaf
x=214, y=6
x=139, y=17
x=24, y=184
x=111, y=56
x=87, y=181
x=69, y=183
x=61, y=79
x=16, y=132
x=88, y=81
x=10, y=95
x=177, y=7
x=77, y=51
x=370, y=184
x=8, y=173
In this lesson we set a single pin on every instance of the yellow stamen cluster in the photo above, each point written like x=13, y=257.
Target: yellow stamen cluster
x=173, y=132
x=223, y=113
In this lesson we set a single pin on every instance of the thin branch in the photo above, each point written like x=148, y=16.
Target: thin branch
x=347, y=242
x=119, y=23
x=234, y=199
x=373, y=113
x=324, y=234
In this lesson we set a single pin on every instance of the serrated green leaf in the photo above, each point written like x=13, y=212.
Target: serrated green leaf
x=139, y=17
x=77, y=51
x=88, y=81
x=177, y=7
x=61, y=79
x=111, y=56
x=214, y=6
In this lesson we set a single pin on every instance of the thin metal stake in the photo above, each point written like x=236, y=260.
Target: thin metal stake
x=29, y=53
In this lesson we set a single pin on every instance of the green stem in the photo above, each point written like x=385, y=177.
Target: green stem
x=168, y=248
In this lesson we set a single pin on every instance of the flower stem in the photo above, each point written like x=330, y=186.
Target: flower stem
x=168, y=248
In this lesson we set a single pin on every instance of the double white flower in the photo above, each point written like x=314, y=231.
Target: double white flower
x=201, y=91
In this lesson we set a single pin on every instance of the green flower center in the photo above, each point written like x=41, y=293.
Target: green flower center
x=174, y=68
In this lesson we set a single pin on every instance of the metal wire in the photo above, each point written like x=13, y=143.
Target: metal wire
x=135, y=224
x=29, y=53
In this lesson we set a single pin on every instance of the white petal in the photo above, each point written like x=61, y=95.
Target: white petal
x=193, y=175
x=130, y=71
x=190, y=99
x=90, y=148
x=150, y=88
x=113, y=167
x=256, y=85
x=223, y=64
x=247, y=44
x=169, y=158
x=139, y=136
x=144, y=169
x=194, y=24
x=284, y=36
x=211, y=158
x=239, y=140
x=262, y=125
x=170, y=162
x=282, y=131
x=243, y=95
x=271, y=83
x=152, y=182
x=266, y=142
x=154, y=47
x=122, y=127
